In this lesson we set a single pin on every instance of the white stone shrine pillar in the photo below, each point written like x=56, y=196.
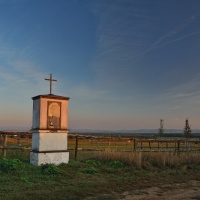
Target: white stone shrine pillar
x=49, y=130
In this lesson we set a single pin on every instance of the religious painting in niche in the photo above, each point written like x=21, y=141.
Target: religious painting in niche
x=54, y=115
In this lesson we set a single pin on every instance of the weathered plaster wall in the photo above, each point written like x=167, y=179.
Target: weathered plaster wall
x=64, y=115
x=49, y=158
x=36, y=114
x=49, y=141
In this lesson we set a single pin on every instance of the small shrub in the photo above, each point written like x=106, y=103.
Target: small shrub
x=116, y=164
x=9, y=165
x=73, y=164
x=89, y=170
x=94, y=162
x=50, y=169
x=110, y=170
x=24, y=179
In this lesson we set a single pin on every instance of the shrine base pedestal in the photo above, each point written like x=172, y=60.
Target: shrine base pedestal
x=41, y=158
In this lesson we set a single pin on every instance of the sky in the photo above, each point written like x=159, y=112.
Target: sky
x=125, y=64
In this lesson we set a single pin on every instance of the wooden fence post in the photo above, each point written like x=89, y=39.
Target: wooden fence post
x=134, y=143
x=76, y=148
x=4, y=145
x=178, y=145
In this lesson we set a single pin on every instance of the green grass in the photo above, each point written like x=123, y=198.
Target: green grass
x=88, y=178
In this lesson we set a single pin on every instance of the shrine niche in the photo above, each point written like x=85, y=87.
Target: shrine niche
x=54, y=115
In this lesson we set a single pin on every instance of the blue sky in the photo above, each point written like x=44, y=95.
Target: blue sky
x=125, y=64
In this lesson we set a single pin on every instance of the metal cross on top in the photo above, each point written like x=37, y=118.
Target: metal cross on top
x=50, y=79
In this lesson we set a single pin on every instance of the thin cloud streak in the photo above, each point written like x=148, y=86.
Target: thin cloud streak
x=161, y=42
x=123, y=43
x=186, y=90
x=179, y=39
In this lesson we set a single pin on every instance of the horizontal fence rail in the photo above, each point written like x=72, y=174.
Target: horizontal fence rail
x=166, y=145
x=11, y=140
x=22, y=141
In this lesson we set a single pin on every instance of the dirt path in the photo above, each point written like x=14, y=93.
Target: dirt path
x=183, y=191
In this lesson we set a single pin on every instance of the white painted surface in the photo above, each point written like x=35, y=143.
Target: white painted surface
x=49, y=141
x=49, y=158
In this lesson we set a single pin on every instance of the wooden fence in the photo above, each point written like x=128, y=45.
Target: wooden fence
x=13, y=140
x=166, y=145
x=145, y=145
x=22, y=141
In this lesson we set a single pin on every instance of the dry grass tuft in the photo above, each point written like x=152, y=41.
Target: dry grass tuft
x=156, y=159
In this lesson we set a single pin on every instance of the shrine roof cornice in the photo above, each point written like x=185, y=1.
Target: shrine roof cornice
x=50, y=96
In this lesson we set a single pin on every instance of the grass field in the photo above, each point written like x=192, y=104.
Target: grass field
x=102, y=175
x=96, y=175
